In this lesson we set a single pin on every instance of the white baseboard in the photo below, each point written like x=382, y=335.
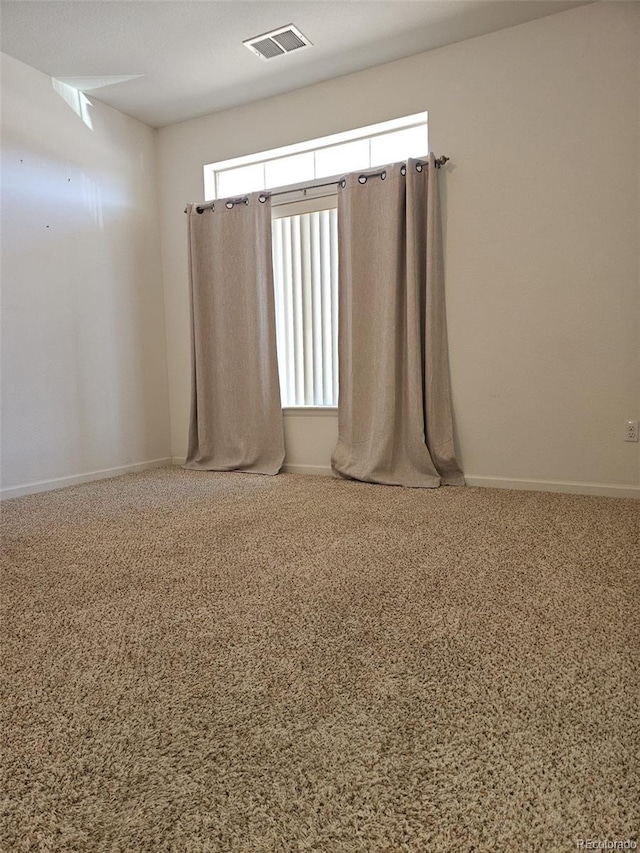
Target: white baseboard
x=320, y=470
x=75, y=479
x=567, y=487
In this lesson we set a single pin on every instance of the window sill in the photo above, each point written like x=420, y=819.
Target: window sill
x=309, y=411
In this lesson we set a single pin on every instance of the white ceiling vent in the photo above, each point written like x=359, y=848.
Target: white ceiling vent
x=277, y=42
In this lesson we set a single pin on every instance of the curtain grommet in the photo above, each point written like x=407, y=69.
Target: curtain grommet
x=229, y=205
x=262, y=199
x=403, y=170
x=418, y=167
x=246, y=201
x=200, y=210
x=343, y=183
x=383, y=175
x=362, y=179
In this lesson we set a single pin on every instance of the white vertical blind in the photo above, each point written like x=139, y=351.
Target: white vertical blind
x=305, y=266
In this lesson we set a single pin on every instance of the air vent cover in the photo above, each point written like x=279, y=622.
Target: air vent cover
x=277, y=42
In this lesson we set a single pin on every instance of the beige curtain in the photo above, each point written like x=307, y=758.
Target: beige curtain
x=394, y=404
x=236, y=419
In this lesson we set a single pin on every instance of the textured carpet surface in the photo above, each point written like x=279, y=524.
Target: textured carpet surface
x=221, y=662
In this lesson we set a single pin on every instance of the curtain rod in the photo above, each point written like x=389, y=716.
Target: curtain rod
x=439, y=161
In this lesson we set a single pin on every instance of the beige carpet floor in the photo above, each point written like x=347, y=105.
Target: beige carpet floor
x=222, y=662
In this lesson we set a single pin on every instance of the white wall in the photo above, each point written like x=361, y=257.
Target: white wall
x=541, y=211
x=83, y=340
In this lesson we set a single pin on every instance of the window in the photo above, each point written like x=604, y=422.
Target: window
x=363, y=148
x=305, y=240
x=305, y=267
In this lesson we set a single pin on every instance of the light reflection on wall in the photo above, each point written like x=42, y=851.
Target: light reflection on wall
x=76, y=99
x=92, y=197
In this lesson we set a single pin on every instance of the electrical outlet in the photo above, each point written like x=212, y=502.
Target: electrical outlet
x=631, y=431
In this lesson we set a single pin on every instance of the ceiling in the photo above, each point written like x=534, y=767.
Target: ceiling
x=163, y=61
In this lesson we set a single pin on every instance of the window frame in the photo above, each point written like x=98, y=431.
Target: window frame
x=212, y=171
